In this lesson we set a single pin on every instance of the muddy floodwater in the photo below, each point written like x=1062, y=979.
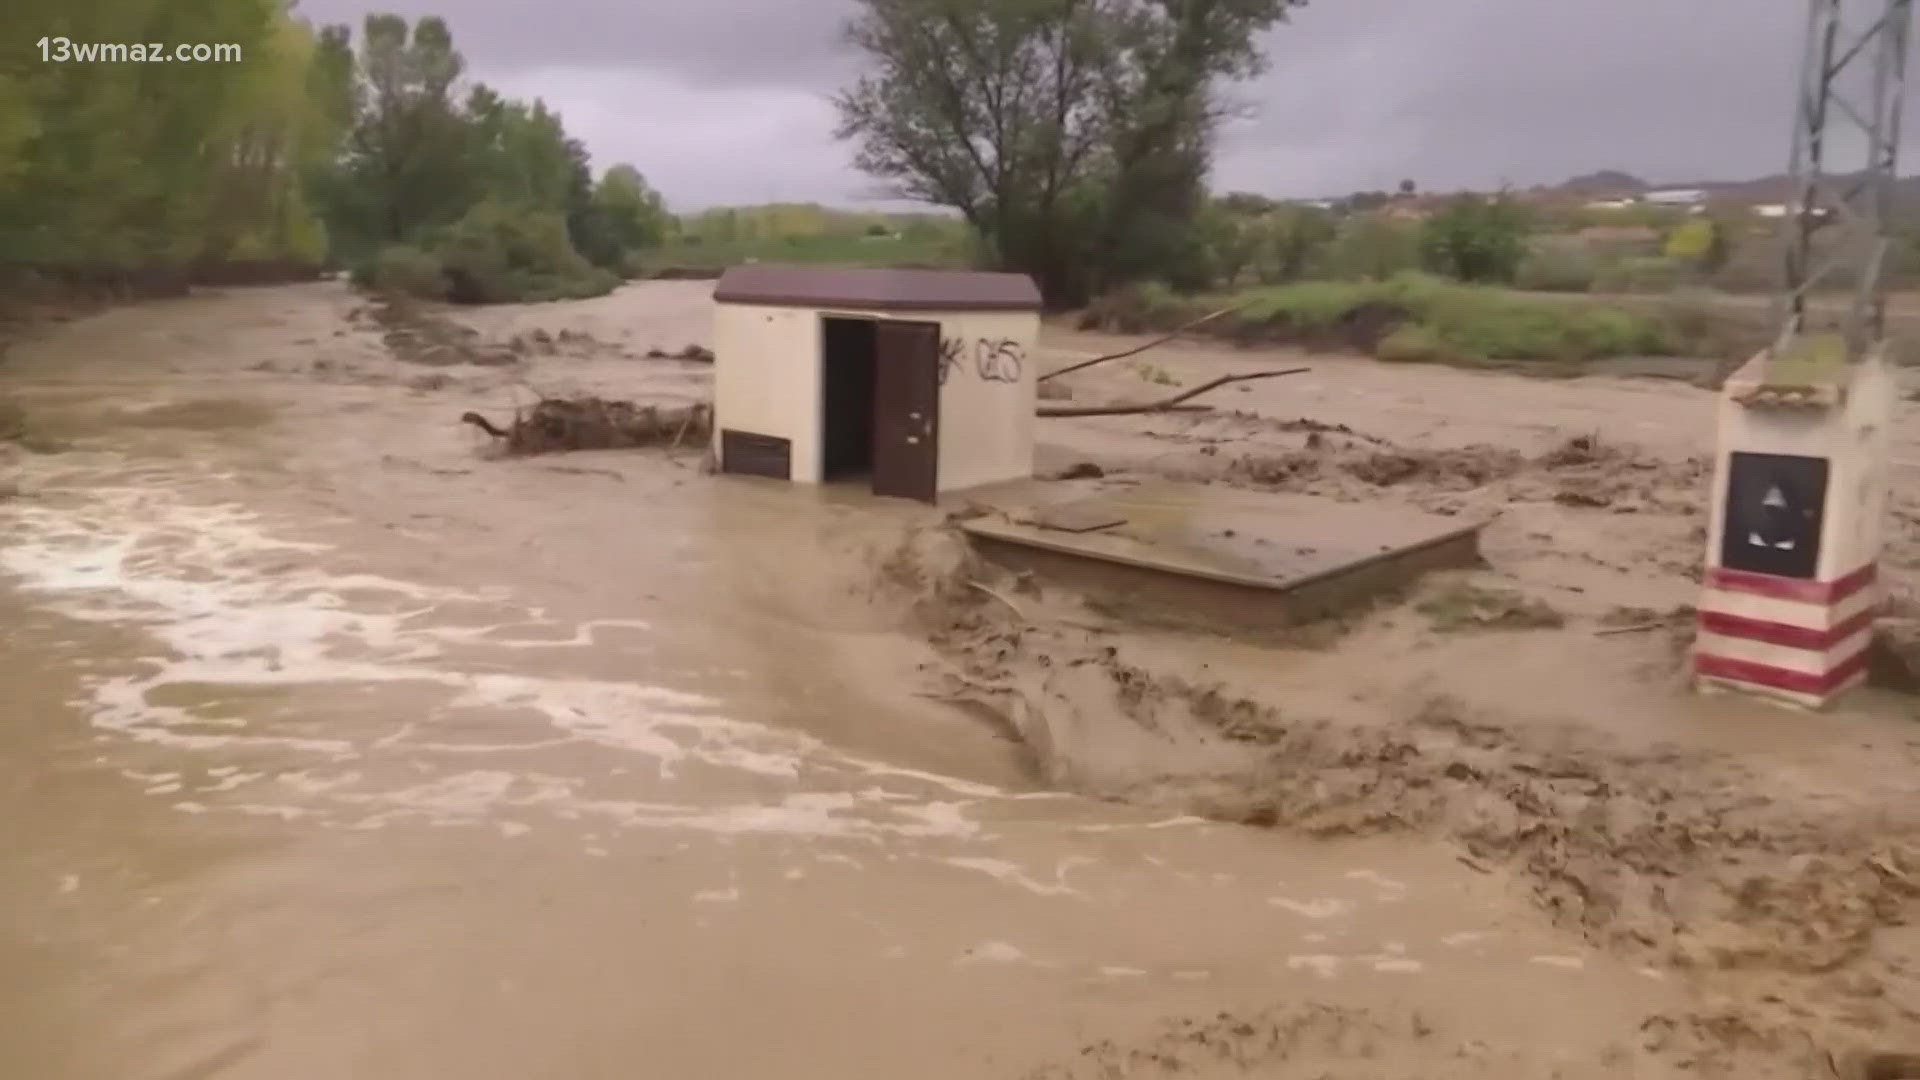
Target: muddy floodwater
x=334, y=747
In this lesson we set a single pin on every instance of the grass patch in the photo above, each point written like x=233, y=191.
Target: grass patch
x=1412, y=317
x=935, y=253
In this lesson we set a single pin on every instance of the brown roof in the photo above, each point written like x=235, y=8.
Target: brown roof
x=892, y=290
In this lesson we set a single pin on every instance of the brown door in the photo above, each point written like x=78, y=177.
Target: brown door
x=906, y=409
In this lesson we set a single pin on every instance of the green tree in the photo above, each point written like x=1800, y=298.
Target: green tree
x=1072, y=135
x=1292, y=240
x=1231, y=242
x=1373, y=247
x=1476, y=238
x=624, y=216
x=111, y=172
x=407, y=166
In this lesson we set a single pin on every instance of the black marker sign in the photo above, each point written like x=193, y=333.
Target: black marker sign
x=1776, y=505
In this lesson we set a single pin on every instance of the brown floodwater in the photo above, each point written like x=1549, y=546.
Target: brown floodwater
x=332, y=748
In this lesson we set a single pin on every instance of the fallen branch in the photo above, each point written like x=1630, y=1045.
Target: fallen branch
x=1137, y=350
x=1015, y=608
x=1165, y=405
x=588, y=423
x=1640, y=628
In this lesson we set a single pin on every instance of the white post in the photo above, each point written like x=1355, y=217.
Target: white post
x=1798, y=509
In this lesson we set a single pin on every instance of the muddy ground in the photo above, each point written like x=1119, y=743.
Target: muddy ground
x=291, y=625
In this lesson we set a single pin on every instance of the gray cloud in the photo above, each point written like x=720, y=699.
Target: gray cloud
x=727, y=100
x=711, y=43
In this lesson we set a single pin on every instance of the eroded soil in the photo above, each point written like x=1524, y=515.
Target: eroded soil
x=342, y=747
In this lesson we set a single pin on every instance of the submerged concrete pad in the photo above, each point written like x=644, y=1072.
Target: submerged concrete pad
x=1197, y=555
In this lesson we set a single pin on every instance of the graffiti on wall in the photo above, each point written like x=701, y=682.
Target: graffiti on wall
x=1000, y=360
x=950, y=350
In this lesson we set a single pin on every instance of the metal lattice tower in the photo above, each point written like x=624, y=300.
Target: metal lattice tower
x=1853, y=78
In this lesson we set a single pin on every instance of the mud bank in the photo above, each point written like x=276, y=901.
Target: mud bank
x=686, y=746
x=1782, y=901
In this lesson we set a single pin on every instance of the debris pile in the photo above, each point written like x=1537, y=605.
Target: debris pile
x=555, y=425
x=416, y=336
x=698, y=354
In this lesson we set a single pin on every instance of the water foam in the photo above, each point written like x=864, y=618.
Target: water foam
x=238, y=609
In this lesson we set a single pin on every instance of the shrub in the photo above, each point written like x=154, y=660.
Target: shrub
x=1291, y=240
x=1701, y=243
x=1413, y=344
x=1410, y=317
x=1475, y=239
x=1699, y=324
x=502, y=254
x=1642, y=275
x=1558, y=267
x=1139, y=308
x=1310, y=305
x=400, y=269
x=1492, y=325
x=1373, y=247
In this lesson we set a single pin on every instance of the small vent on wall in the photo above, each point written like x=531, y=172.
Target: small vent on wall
x=749, y=454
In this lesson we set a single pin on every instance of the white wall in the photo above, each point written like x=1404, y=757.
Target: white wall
x=1853, y=439
x=986, y=421
x=767, y=372
x=766, y=378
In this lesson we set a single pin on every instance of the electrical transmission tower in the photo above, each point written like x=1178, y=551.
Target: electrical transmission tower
x=1846, y=145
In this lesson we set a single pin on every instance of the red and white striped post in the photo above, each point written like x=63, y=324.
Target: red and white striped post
x=1799, y=499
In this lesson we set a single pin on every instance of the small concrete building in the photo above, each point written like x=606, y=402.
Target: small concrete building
x=920, y=380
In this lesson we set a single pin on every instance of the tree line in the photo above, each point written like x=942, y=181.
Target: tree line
x=320, y=147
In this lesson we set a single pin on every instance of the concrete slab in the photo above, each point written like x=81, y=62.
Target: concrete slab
x=1075, y=518
x=1222, y=557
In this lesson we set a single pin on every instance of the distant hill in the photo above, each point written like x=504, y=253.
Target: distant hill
x=1606, y=182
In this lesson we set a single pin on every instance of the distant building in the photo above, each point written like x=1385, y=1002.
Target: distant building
x=1777, y=211
x=1612, y=204
x=1676, y=197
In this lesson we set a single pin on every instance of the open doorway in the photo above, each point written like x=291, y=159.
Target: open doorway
x=847, y=394
x=880, y=404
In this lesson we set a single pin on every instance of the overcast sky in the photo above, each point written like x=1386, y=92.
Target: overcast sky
x=727, y=101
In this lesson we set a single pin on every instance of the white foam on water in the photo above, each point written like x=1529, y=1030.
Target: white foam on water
x=265, y=647
x=1011, y=874
x=1324, y=966
x=1164, y=823
x=1313, y=909
x=236, y=606
x=993, y=952
x=1385, y=884
x=1397, y=965
x=1571, y=963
